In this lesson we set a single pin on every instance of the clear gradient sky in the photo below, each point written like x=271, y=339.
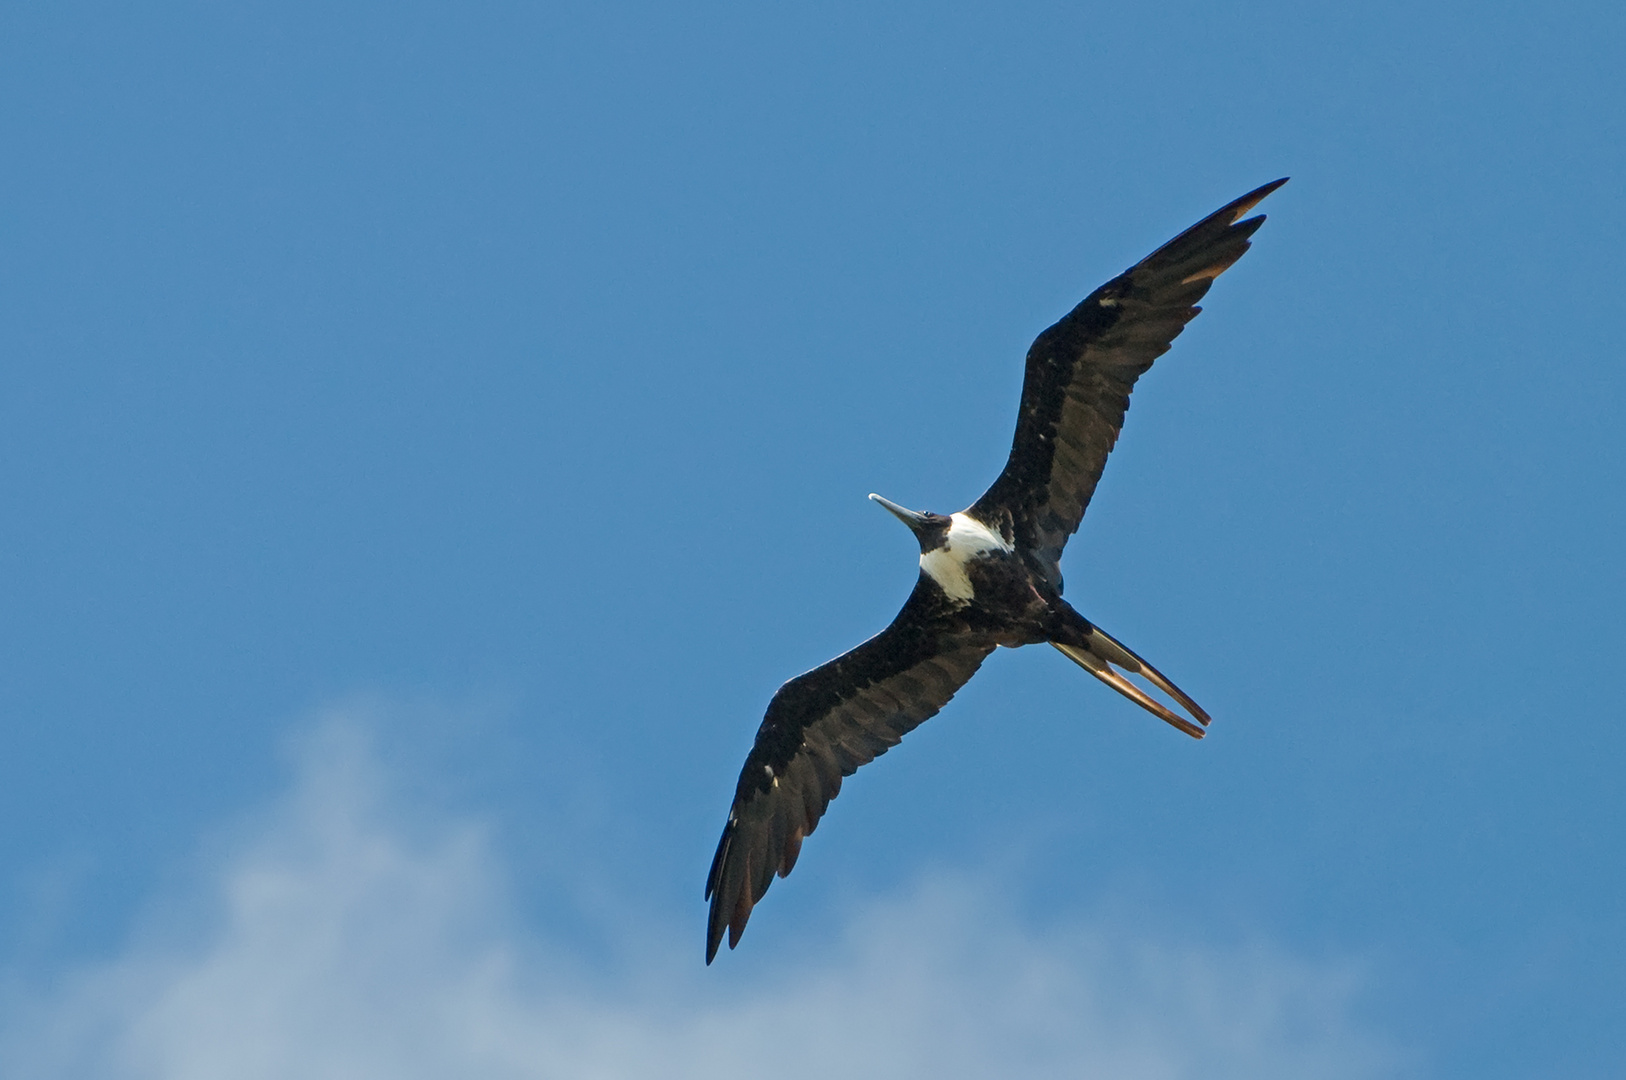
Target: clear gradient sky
x=428, y=435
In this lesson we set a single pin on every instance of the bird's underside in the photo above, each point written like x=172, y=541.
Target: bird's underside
x=989, y=575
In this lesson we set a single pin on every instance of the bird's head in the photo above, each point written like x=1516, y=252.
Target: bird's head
x=930, y=529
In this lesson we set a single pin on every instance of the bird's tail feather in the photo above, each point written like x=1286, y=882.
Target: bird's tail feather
x=1101, y=656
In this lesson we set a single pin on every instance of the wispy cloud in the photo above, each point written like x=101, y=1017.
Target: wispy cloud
x=347, y=936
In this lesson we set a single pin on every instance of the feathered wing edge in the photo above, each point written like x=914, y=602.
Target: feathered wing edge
x=820, y=727
x=1081, y=371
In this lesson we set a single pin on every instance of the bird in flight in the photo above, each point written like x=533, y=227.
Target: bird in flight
x=989, y=575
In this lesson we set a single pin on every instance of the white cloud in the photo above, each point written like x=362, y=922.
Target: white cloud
x=347, y=937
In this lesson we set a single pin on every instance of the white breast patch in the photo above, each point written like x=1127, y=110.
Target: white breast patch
x=967, y=539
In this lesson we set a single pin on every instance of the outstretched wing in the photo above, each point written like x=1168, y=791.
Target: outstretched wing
x=1080, y=373
x=822, y=726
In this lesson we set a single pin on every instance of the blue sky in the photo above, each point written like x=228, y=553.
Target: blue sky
x=429, y=435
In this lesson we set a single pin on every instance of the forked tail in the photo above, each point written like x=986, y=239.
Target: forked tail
x=1101, y=655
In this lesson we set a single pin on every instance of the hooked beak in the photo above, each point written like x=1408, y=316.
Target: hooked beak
x=915, y=521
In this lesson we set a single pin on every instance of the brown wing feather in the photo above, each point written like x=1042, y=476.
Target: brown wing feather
x=819, y=728
x=1080, y=373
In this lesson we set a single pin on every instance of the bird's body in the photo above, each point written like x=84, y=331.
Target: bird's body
x=989, y=574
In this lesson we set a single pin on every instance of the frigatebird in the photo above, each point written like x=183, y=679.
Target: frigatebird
x=989, y=575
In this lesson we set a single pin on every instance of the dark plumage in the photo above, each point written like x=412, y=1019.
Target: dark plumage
x=990, y=575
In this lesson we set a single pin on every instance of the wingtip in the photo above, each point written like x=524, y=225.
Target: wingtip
x=716, y=928
x=1214, y=244
x=1253, y=199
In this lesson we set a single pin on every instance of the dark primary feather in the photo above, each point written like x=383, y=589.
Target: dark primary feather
x=1080, y=373
x=820, y=727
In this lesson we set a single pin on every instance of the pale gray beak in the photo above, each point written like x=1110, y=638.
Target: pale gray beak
x=915, y=521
